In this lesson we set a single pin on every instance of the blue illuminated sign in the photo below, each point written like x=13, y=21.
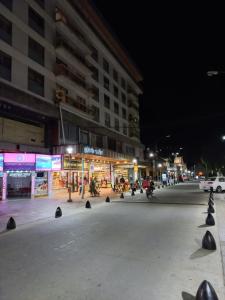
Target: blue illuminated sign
x=43, y=162
x=1, y=162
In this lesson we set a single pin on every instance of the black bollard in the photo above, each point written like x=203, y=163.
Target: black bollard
x=88, y=204
x=11, y=224
x=158, y=186
x=58, y=212
x=210, y=220
x=122, y=196
x=208, y=241
x=141, y=191
x=211, y=209
x=206, y=292
x=107, y=199
x=132, y=193
x=210, y=202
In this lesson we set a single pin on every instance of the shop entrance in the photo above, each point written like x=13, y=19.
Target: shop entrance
x=19, y=185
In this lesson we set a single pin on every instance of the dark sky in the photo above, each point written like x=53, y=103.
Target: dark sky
x=174, y=46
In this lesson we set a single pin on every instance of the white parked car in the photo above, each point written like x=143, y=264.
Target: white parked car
x=217, y=183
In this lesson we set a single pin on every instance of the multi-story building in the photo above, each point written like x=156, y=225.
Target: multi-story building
x=65, y=80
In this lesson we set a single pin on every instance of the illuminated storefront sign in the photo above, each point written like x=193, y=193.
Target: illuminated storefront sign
x=43, y=162
x=56, y=162
x=90, y=150
x=19, y=162
x=1, y=162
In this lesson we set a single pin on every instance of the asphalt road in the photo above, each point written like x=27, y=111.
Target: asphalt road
x=132, y=249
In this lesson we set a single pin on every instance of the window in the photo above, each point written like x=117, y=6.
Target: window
x=94, y=73
x=99, y=141
x=115, y=75
x=94, y=53
x=130, y=150
x=41, y=3
x=107, y=119
x=123, y=83
x=36, y=22
x=5, y=66
x=106, y=83
x=124, y=129
x=95, y=111
x=7, y=3
x=70, y=131
x=119, y=147
x=124, y=113
x=111, y=144
x=106, y=101
x=124, y=98
x=117, y=125
x=5, y=30
x=84, y=137
x=36, y=51
x=95, y=92
x=115, y=91
x=105, y=65
x=35, y=82
x=116, y=108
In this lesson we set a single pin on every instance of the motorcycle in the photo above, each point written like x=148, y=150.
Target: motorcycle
x=149, y=192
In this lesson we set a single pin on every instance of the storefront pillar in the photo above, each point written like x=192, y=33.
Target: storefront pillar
x=4, y=186
x=50, y=176
x=112, y=176
x=135, y=172
x=33, y=185
x=82, y=180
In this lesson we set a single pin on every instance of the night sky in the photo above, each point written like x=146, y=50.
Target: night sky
x=174, y=46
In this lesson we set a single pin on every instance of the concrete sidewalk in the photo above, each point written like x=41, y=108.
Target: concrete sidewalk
x=220, y=220
x=26, y=211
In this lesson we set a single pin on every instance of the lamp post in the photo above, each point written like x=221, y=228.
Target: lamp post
x=135, y=169
x=152, y=155
x=160, y=166
x=69, y=151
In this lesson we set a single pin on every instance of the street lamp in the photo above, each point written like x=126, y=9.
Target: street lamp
x=223, y=137
x=152, y=155
x=160, y=166
x=69, y=150
x=214, y=73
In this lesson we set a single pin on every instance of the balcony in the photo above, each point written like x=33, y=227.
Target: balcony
x=71, y=57
x=70, y=80
x=134, y=132
x=132, y=93
x=80, y=105
x=133, y=119
x=133, y=105
x=71, y=32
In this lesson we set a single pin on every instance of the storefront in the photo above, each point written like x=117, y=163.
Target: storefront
x=27, y=175
x=19, y=168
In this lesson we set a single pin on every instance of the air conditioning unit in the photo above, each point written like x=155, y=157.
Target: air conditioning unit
x=60, y=95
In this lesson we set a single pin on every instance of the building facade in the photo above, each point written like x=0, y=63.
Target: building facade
x=65, y=81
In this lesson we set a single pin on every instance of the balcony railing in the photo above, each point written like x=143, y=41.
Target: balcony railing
x=61, y=69
x=60, y=17
x=132, y=92
x=76, y=103
x=61, y=43
x=133, y=105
